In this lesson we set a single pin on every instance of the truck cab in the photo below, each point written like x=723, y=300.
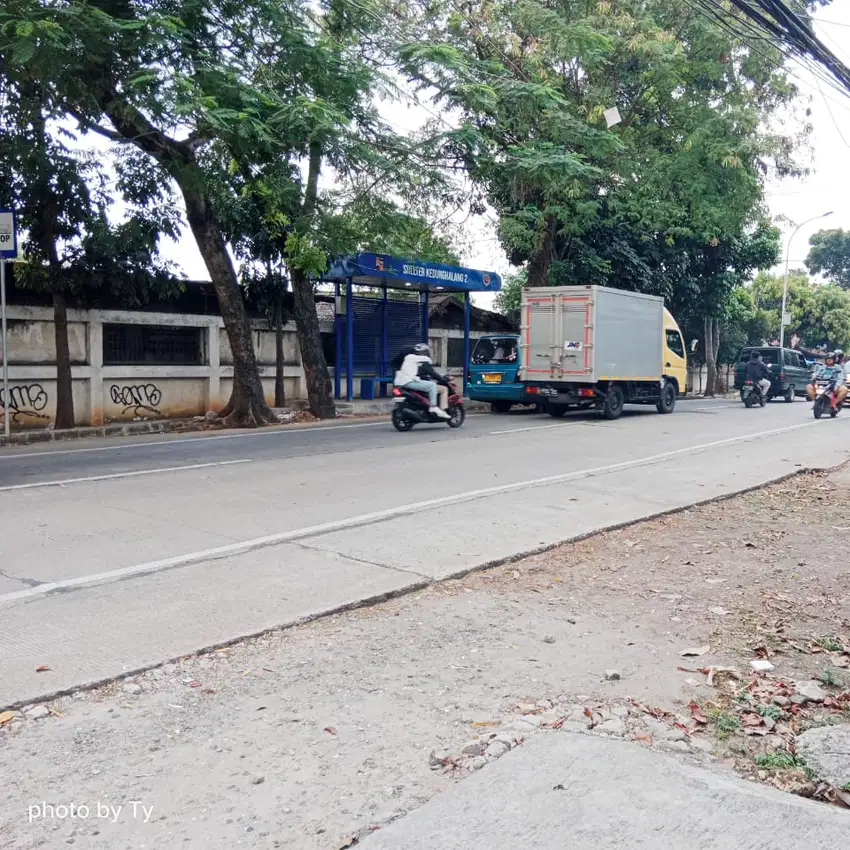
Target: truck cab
x=492, y=373
x=675, y=357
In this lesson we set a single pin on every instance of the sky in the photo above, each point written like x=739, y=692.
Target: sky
x=792, y=201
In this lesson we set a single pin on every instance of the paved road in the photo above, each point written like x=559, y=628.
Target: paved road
x=153, y=548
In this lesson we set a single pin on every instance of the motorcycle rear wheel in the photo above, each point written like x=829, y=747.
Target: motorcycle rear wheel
x=399, y=422
x=821, y=404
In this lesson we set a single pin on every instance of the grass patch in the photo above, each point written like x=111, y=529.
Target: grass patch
x=774, y=712
x=829, y=677
x=778, y=761
x=725, y=723
x=829, y=643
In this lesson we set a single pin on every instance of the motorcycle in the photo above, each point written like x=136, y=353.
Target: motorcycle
x=412, y=408
x=752, y=395
x=825, y=394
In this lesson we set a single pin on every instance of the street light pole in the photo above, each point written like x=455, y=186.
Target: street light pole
x=785, y=284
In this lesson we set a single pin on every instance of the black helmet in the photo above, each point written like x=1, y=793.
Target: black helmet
x=755, y=355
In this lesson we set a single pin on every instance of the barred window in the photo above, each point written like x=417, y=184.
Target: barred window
x=137, y=345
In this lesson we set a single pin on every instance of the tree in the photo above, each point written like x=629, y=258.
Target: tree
x=273, y=85
x=829, y=255
x=509, y=299
x=531, y=81
x=820, y=314
x=69, y=244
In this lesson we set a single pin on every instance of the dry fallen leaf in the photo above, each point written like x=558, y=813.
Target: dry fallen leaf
x=481, y=724
x=330, y=730
x=194, y=684
x=42, y=668
x=692, y=651
x=7, y=716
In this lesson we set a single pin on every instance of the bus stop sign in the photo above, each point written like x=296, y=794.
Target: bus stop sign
x=8, y=235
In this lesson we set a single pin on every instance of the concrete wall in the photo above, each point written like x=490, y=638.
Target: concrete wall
x=105, y=394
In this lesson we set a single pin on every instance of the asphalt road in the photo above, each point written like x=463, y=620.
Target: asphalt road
x=118, y=554
x=60, y=462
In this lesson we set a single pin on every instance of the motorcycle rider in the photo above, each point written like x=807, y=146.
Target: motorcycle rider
x=758, y=373
x=414, y=371
x=832, y=372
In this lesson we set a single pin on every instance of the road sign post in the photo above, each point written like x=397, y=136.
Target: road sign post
x=8, y=250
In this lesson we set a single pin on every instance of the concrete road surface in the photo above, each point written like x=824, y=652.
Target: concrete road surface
x=121, y=554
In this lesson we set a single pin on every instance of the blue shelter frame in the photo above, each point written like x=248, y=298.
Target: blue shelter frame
x=384, y=272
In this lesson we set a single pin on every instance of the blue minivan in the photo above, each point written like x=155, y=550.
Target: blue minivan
x=492, y=373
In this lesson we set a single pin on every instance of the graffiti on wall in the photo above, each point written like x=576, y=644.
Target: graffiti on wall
x=138, y=398
x=26, y=401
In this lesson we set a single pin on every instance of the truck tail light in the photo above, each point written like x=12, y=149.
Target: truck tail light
x=586, y=392
x=531, y=390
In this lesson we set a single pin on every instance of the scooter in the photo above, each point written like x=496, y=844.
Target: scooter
x=752, y=395
x=825, y=393
x=412, y=408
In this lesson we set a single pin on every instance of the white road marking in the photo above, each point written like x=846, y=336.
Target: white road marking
x=244, y=546
x=172, y=441
x=539, y=427
x=65, y=481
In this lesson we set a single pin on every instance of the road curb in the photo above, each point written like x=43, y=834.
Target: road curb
x=413, y=586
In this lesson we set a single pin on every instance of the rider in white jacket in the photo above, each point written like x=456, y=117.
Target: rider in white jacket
x=414, y=371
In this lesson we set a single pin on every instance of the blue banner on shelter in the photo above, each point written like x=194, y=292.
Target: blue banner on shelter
x=383, y=269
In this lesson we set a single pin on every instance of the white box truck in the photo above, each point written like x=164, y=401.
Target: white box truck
x=599, y=348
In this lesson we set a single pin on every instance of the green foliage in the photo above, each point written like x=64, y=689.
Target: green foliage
x=828, y=677
x=778, y=760
x=820, y=314
x=670, y=196
x=829, y=255
x=509, y=299
x=725, y=723
x=774, y=712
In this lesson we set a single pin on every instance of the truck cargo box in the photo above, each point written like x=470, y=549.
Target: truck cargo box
x=588, y=334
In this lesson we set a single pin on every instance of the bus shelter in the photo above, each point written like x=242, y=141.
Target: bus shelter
x=372, y=326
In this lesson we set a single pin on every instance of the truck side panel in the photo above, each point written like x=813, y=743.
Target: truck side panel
x=628, y=336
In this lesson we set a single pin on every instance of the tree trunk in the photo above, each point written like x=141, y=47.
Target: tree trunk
x=247, y=406
x=538, y=265
x=719, y=386
x=319, y=387
x=64, y=385
x=279, y=387
x=710, y=358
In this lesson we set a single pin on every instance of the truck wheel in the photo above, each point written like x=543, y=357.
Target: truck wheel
x=556, y=410
x=614, y=403
x=500, y=407
x=668, y=399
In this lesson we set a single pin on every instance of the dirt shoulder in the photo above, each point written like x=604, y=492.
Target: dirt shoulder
x=308, y=737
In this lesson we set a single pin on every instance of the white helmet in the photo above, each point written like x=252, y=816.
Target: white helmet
x=422, y=349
